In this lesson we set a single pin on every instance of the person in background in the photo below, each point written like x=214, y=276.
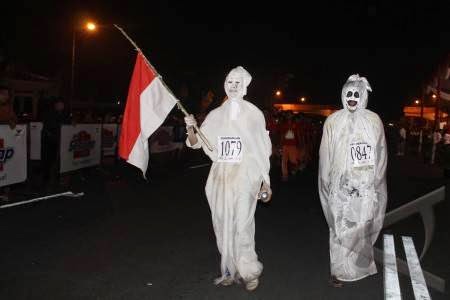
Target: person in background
x=50, y=141
x=205, y=106
x=7, y=114
x=446, y=152
x=290, y=141
x=437, y=137
x=401, y=141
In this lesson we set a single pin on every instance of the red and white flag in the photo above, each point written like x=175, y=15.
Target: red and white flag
x=148, y=104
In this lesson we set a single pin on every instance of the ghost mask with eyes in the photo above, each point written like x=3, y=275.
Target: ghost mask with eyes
x=353, y=195
x=355, y=92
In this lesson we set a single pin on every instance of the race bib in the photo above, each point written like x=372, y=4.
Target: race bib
x=361, y=154
x=230, y=149
x=289, y=135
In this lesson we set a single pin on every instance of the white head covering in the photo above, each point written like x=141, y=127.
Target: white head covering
x=235, y=85
x=238, y=72
x=355, y=82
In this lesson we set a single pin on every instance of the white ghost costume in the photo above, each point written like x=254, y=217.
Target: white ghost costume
x=352, y=182
x=236, y=128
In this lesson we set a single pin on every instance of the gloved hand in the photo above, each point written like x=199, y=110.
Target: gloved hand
x=190, y=121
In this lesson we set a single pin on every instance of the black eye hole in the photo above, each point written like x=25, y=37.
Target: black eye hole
x=356, y=94
x=349, y=93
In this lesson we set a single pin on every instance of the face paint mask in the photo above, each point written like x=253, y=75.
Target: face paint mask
x=234, y=87
x=354, y=93
x=352, y=97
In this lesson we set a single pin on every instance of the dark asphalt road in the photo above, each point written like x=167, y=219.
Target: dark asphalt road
x=131, y=239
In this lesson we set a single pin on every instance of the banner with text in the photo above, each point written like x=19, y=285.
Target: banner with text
x=13, y=154
x=80, y=146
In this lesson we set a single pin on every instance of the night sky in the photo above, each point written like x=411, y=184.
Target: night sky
x=304, y=49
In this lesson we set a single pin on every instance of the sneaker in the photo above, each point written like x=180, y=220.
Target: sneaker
x=227, y=281
x=224, y=281
x=252, y=284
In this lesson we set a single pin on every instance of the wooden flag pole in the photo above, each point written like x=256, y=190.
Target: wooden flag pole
x=179, y=105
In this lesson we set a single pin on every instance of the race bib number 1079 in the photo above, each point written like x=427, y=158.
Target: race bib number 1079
x=362, y=154
x=230, y=149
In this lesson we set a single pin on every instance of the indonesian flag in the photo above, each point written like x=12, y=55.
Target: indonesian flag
x=148, y=104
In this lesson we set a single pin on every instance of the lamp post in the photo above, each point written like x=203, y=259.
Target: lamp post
x=89, y=27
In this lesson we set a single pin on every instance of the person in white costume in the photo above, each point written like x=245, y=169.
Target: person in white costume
x=239, y=173
x=352, y=183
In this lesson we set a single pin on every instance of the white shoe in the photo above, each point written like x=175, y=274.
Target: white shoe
x=227, y=281
x=224, y=281
x=252, y=284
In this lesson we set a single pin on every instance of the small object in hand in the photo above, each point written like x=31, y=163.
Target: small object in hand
x=263, y=196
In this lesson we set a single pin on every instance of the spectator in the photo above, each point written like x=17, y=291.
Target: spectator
x=446, y=153
x=401, y=141
x=437, y=137
x=205, y=106
x=50, y=141
x=7, y=115
x=289, y=134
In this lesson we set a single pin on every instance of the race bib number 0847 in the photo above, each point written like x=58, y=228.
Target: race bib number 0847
x=230, y=149
x=361, y=154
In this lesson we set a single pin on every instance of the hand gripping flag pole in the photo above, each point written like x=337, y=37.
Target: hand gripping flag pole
x=179, y=105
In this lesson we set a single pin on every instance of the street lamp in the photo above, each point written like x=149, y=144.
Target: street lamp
x=302, y=99
x=278, y=93
x=417, y=101
x=434, y=96
x=89, y=27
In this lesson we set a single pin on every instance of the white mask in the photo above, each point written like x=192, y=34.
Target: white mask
x=354, y=93
x=234, y=87
x=352, y=97
x=236, y=83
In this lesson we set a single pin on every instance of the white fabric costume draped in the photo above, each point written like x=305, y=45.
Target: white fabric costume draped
x=353, y=192
x=232, y=187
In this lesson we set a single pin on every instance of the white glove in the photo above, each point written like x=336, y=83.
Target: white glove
x=190, y=121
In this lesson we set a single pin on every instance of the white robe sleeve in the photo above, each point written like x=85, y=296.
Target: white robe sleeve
x=267, y=148
x=380, y=183
x=324, y=173
x=208, y=132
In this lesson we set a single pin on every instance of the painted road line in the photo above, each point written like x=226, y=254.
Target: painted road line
x=415, y=271
x=391, y=283
x=66, y=194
